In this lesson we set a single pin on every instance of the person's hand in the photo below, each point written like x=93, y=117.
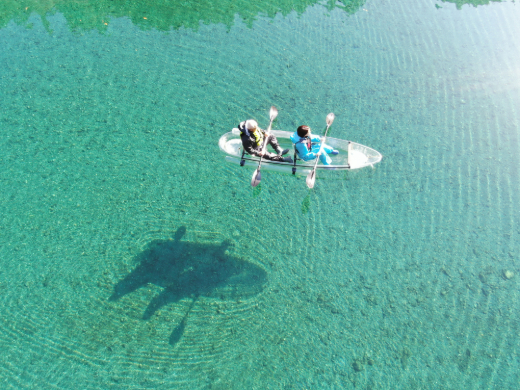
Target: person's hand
x=319, y=154
x=261, y=154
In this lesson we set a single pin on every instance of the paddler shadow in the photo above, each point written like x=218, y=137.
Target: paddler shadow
x=190, y=270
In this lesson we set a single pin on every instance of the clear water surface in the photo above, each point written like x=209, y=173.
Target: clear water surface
x=133, y=257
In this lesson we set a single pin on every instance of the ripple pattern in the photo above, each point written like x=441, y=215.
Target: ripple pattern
x=397, y=277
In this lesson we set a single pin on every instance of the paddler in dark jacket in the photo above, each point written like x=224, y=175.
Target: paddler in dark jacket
x=253, y=138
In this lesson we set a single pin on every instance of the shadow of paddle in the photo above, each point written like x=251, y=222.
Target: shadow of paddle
x=306, y=203
x=190, y=270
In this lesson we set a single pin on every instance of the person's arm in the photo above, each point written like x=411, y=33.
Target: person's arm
x=248, y=146
x=316, y=140
x=304, y=153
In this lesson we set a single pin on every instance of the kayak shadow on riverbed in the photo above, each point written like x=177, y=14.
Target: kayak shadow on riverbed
x=190, y=270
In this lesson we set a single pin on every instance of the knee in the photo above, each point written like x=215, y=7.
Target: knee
x=328, y=149
x=325, y=159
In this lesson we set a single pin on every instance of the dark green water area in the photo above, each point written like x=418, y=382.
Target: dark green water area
x=132, y=256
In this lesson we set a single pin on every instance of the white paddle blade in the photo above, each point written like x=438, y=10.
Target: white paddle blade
x=330, y=118
x=273, y=113
x=311, y=179
x=257, y=176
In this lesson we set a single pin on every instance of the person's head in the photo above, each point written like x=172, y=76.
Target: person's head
x=303, y=131
x=251, y=125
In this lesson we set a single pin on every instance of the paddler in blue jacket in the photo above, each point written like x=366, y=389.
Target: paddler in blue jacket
x=308, y=146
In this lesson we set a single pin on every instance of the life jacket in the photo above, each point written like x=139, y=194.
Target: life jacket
x=258, y=135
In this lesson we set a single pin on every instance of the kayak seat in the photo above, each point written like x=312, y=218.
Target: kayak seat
x=296, y=158
x=296, y=155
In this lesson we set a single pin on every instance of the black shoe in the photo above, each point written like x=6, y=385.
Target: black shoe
x=287, y=159
x=282, y=152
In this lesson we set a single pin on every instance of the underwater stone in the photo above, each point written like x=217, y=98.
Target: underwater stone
x=508, y=274
x=357, y=366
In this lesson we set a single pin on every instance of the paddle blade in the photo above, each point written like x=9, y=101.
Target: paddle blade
x=311, y=179
x=273, y=113
x=257, y=176
x=330, y=118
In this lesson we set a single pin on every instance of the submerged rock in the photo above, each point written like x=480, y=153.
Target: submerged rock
x=357, y=366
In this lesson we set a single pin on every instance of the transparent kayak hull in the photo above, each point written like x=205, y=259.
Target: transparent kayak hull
x=351, y=155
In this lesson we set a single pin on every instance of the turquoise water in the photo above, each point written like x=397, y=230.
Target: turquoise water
x=133, y=257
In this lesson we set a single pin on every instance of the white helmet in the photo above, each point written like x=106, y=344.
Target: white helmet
x=251, y=124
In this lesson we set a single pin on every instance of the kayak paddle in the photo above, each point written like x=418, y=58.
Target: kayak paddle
x=255, y=180
x=311, y=177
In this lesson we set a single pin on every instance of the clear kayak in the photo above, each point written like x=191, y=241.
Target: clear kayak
x=351, y=154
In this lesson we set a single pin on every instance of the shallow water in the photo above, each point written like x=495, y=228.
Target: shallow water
x=133, y=257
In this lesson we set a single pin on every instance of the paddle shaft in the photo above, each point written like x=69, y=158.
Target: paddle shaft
x=267, y=134
x=311, y=179
x=321, y=147
x=255, y=180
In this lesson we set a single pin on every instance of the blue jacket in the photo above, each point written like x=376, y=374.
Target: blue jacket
x=301, y=146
